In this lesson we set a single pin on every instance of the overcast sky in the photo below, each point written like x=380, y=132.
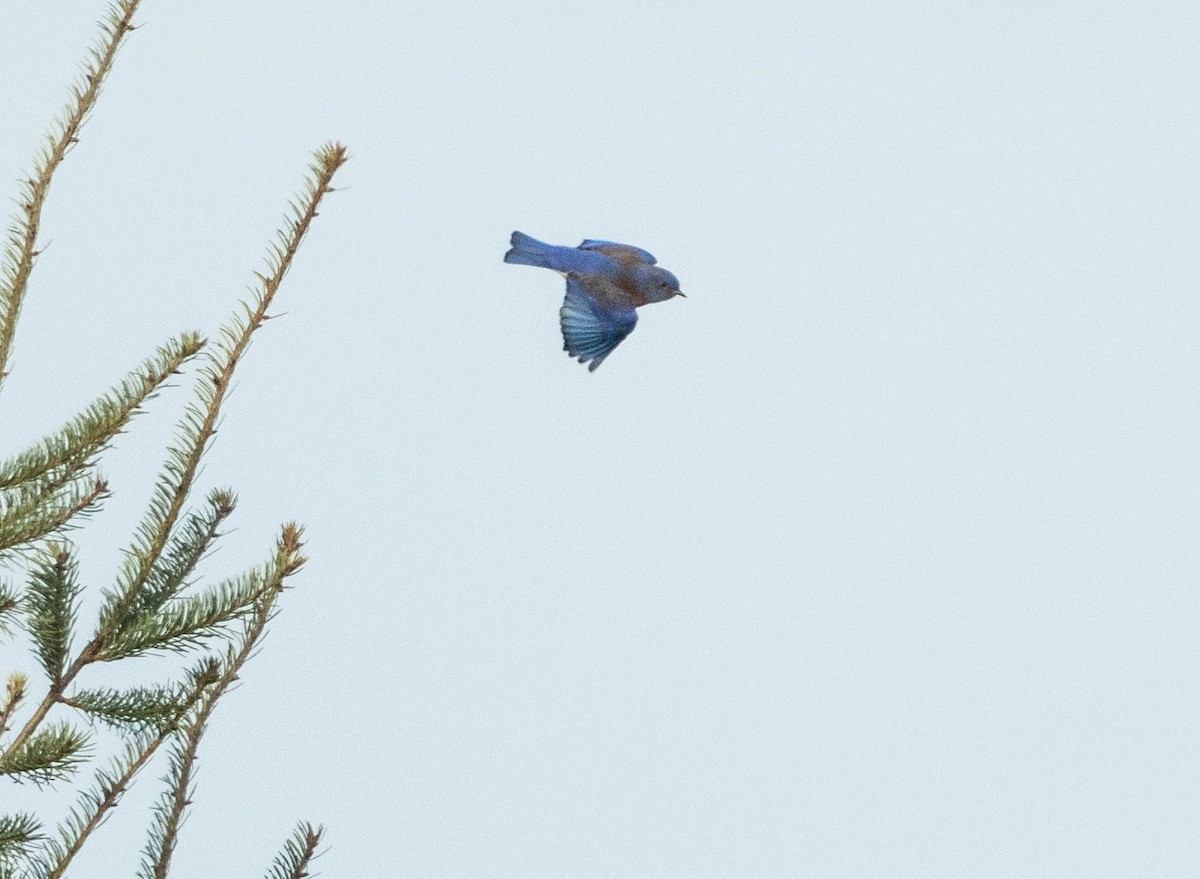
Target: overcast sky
x=875, y=556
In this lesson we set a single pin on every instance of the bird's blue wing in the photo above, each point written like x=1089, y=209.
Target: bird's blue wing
x=591, y=330
x=625, y=253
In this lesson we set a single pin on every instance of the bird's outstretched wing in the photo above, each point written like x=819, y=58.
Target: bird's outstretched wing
x=624, y=253
x=591, y=330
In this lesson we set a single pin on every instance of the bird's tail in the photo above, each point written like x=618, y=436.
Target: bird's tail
x=527, y=251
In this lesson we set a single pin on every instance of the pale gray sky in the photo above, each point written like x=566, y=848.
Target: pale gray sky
x=876, y=556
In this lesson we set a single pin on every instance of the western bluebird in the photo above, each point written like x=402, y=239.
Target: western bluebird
x=606, y=281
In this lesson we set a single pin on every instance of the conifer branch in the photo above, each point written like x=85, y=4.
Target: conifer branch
x=29, y=730
x=49, y=486
x=44, y=513
x=159, y=707
x=47, y=756
x=21, y=252
x=10, y=603
x=185, y=622
x=76, y=444
x=196, y=430
x=199, y=424
x=194, y=538
x=113, y=782
x=170, y=812
x=95, y=805
x=298, y=852
x=14, y=695
x=50, y=606
x=136, y=708
x=17, y=833
x=48, y=502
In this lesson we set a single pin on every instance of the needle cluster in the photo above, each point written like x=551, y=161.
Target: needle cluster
x=157, y=603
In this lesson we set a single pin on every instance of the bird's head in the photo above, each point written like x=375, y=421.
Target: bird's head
x=657, y=284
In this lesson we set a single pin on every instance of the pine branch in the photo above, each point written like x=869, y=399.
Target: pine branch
x=43, y=488
x=140, y=708
x=14, y=695
x=43, y=514
x=10, y=604
x=169, y=814
x=112, y=783
x=298, y=852
x=94, y=806
x=148, y=707
x=195, y=432
x=17, y=833
x=38, y=504
x=49, y=486
x=46, y=756
x=136, y=708
x=187, y=622
x=199, y=423
x=77, y=443
x=16, y=265
x=193, y=540
x=50, y=606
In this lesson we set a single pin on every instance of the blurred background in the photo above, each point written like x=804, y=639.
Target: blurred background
x=875, y=556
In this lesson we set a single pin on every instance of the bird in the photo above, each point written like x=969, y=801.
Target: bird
x=606, y=282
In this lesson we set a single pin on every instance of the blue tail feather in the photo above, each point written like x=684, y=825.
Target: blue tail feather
x=528, y=251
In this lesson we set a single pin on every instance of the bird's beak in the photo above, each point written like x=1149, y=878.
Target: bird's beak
x=680, y=293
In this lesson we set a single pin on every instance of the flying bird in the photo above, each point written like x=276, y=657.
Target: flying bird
x=606, y=282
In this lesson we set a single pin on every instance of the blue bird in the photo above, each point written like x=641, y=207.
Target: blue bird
x=606, y=281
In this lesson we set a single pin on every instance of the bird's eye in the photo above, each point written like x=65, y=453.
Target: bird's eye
x=663, y=284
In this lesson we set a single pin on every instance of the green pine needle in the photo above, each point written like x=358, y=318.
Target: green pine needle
x=199, y=423
x=112, y=782
x=49, y=755
x=21, y=252
x=186, y=622
x=154, y=605
x=170, y=812
x=37, y=512
x=14, y=695
x=50, y=608
x=10, y=604
x=298, y=852
x=94, y=805
x=193, y=540
x=136, y=708
x=76, y=444
x=17, y=833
